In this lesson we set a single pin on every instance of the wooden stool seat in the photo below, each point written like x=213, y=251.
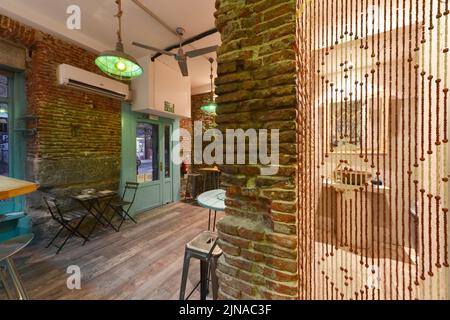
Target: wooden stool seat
x=204, y=242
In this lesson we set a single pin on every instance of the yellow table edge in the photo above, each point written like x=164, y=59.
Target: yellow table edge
x=25, y=187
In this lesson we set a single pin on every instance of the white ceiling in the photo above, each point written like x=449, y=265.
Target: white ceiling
x=98, y=26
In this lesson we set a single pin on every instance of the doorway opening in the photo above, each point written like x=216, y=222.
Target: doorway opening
x=147, y=144
x=373, y=149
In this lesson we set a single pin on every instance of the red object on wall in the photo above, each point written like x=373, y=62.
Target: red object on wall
x=184, y=168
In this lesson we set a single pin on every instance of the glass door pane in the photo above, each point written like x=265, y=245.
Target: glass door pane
x=6, y=150
x=147, y=152
x=4, y=140
x=167, y=150
x=4, y=127
x=4, y=91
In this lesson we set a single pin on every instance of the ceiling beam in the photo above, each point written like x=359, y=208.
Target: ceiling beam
x=188, y=41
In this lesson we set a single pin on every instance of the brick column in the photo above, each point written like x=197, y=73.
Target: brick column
x=256, y=88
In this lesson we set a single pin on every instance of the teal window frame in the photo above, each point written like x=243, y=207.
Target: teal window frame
x=17, y=154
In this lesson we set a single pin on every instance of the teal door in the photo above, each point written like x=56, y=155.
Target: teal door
x=153, y=164
x=149, y=170
x=147, y=147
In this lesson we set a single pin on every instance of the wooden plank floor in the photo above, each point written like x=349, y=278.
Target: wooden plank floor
x=142, y=261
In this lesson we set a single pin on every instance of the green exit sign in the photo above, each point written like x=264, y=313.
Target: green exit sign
x=169, y=107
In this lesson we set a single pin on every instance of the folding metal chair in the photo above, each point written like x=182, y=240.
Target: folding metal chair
x=122, y=206
x=69, y=220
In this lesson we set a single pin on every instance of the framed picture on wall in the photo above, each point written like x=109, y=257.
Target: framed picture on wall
x=354, y=127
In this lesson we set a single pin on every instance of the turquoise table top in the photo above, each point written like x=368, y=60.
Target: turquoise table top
x=214, y=200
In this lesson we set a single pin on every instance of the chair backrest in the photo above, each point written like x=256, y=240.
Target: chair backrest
x=53, y=207
x=130, y=191
x=217, y=181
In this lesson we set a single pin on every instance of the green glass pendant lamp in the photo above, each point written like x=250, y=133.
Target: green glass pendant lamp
x=116, y=63
x=211, y=106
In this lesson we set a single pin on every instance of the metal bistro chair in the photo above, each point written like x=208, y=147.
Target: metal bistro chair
x=122, y=206
x=69, y=220
x=204, y=248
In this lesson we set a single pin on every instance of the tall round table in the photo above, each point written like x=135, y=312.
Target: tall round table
x=213, y=200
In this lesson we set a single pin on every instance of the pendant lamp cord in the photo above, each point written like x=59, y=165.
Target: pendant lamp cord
x=211, y=60
x=119, y=16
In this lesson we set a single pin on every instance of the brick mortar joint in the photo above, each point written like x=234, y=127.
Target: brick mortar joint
x=265, y=239
x=251, y=7
x=258, y=287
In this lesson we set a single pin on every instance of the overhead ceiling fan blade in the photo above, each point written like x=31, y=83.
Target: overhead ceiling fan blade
x=144, y=46
x=183, y=67
x=200, y=52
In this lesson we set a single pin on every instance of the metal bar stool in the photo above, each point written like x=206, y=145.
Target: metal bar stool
x=194, y=186
x=211, y=178
x=204, y=248
x=7, y=250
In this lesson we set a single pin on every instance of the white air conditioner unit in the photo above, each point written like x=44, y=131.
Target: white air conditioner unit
x=87, y=81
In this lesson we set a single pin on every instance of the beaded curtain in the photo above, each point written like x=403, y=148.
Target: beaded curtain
x=373, y=149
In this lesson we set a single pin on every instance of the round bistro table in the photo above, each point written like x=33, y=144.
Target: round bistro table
x=213, y=200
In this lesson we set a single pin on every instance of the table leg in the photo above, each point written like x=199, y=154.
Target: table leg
x=90, y=208
x=16, y=280
x=215, y=218
x=209, y=220
x=102, y=211
x=4, y=281
x=91, y=232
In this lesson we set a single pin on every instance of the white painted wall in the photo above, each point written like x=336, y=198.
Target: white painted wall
x=160, y=84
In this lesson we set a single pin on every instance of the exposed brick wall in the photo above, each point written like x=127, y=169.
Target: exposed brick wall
x=186, y=147
x=209, y=122
x=256, y=88
x=78, y=142
x=186, y=144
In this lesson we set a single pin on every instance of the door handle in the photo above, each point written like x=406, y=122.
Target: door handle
x=161, y=166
